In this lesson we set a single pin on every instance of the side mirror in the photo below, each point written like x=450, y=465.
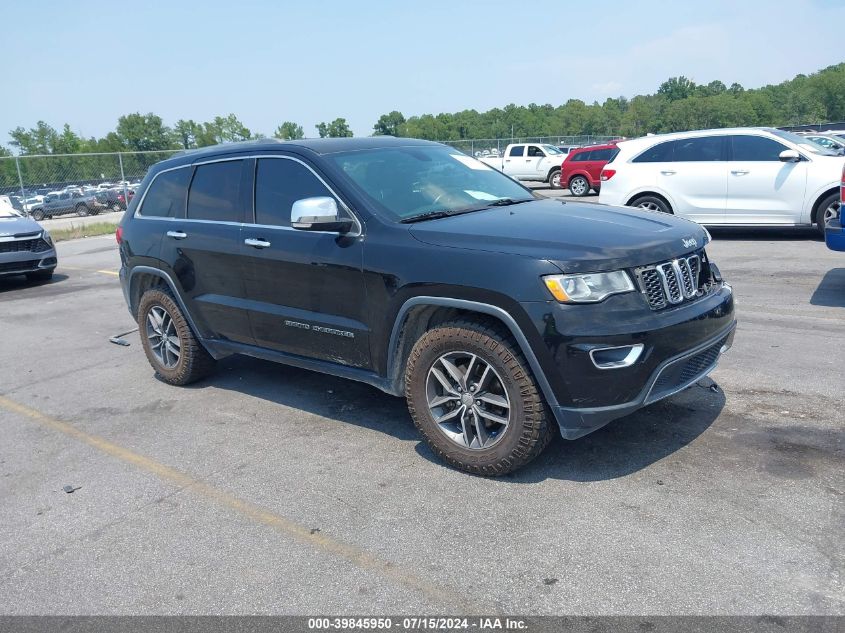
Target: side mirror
x=789, y=156
x=318, y=214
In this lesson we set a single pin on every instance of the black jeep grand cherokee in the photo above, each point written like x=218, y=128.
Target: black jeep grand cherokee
x=417, y=269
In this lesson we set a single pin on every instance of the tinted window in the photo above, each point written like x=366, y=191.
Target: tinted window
x=602, y=154
x=166, y=196
x=215, y=192
x=660, y=153
x=703, y=149
x=756, y=148
x=517, y=151
x=278, y=184
x=580, y=157
x=533, y=150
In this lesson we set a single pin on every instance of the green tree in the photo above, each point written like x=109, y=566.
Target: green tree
x=389, y=124
x=227, y=129
x=40, y=139
x=676, y=88
x=289, y=131
x=143, y=132
x=337, y=128
x=186, y=133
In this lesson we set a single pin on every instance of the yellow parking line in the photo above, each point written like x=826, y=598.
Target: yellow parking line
x=319, y=540
x=89, y=270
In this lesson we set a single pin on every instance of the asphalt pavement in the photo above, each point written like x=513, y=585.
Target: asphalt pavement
x=268, y=489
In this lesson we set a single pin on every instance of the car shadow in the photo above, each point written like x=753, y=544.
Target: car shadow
x=831, y=290
x=623, y=447
x=17, y=282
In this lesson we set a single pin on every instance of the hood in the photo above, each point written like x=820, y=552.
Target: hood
x=15, y=227
x=578, y=237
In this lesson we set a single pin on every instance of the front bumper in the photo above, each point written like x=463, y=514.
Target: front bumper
x=672, y=376
x=24, y=262
x=677, y=347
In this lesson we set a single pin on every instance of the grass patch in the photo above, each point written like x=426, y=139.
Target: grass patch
x=88, y=230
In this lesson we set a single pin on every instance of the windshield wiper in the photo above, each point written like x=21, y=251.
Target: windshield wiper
x=434, y=215
x=428, y=215
x=506, y=202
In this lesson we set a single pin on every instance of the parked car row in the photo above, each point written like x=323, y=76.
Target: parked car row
x=728, y=177
x=79, y=199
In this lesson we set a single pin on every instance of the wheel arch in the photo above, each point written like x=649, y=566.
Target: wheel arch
x=552, y=171
x=643, y=194
x=143, y=278
x=818, y=203
x=419, y=314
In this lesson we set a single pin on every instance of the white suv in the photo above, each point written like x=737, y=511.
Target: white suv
x=736, y=177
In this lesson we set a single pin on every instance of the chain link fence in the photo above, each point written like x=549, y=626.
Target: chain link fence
x=496, y=146
x=33, y=182
x=55, y=184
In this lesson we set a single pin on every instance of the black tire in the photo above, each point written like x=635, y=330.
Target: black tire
x=115, y=206
x=81, y=210
x=579, y=186
x=194, y=361
x=40, y=275
x=823, y=213
x=37, y=214
x=554, y=179
x=528, y=431
x=651, y=203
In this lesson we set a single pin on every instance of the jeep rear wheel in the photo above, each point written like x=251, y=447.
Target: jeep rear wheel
x=174, y=352
x=38, y=214
x=473, y=398
x=81, y=210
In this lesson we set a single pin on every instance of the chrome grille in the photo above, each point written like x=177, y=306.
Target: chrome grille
x=670, y=283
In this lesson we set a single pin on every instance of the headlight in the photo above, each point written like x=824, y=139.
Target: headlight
x=45, y=235
x=589, y=287
x=707, y=237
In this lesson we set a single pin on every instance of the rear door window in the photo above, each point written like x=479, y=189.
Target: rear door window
x=166, y=196
x=215, y=192
x=279, y=182
x=582, y=157
x=702, y=149
x=660, y=153
x=755, y=148
x=517, y=150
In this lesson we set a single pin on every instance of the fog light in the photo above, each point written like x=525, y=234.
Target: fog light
x=616, y=357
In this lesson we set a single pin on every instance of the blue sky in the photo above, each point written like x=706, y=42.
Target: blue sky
x=87, y=62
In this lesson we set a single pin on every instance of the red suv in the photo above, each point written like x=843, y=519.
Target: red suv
x=581, y=171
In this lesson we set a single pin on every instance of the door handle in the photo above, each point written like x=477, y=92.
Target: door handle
x=256, y=243
x=739, y=172
x=668, y=172
x=507, y=160
x=177, y=235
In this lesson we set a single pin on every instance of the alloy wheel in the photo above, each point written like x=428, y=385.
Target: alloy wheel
x=467, y=400
x=831, y=212
x=650, y=206
x=163, y=338
x=579, y=187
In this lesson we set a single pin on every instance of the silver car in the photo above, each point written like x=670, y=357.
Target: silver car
x=25, y=247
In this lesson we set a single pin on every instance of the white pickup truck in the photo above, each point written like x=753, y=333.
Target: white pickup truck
x=530, y=161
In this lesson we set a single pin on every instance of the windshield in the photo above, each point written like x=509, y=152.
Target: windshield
x=407, y=182
x=803, y=143
x=551, y=149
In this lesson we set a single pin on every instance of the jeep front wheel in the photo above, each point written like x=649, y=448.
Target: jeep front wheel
x=175, y=354
x=473, y=398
